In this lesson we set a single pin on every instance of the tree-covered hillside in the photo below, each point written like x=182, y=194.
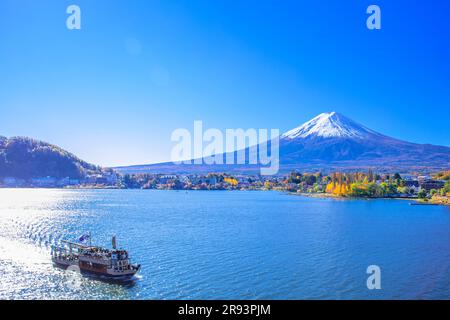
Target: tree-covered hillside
x=26, y=158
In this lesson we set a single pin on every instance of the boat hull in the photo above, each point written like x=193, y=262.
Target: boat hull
x=101, y=275
x=108, y=277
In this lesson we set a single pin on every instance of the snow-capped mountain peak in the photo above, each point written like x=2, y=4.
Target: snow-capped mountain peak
x=327, y=125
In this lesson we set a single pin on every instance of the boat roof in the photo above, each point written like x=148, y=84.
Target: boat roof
x=75, y=244
x=79, y=245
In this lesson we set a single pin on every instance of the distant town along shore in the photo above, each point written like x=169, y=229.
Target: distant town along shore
x=427, y=188
x=435, y=188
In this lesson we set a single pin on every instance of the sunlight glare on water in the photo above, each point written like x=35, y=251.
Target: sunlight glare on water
x=226, y=245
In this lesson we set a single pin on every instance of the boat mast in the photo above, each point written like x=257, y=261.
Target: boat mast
x=114, y=242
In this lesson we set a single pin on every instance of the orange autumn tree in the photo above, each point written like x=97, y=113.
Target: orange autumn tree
x=231, y=181
x=343, y=184
x=444, y=175
x=338, y=184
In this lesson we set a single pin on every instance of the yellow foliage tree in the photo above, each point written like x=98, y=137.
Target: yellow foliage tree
x=231, y=181
x=338, y=189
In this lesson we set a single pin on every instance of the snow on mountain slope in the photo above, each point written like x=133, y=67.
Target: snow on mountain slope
x=330, y=124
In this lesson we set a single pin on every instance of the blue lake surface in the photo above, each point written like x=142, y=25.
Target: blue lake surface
x=226, y=245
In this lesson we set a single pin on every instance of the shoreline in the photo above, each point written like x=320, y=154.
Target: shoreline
x=436, y=200
x=415, y=201
x=329, y=195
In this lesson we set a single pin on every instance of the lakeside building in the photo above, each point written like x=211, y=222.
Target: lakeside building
x=167, y=178
x=44, y=182
x=108, y=179
x=11, y=182
x=430, y=184
x=413, y=186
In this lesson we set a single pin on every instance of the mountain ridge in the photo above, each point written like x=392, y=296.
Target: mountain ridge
x=27, y=158
x=332, y=141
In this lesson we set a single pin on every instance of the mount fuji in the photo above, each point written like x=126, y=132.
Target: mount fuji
x=330, y=125
x=332, y=142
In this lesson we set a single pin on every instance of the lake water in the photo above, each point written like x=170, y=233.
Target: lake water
x=226, y=245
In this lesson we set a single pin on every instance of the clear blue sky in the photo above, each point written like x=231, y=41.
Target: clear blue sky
x=114, y=91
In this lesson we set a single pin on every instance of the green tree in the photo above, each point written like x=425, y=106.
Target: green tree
x=295, y=177
x=403, y=190
x=446, y=188
x=422, y=194
x=310, y=180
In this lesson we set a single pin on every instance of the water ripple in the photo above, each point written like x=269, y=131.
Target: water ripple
x=226, y=245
